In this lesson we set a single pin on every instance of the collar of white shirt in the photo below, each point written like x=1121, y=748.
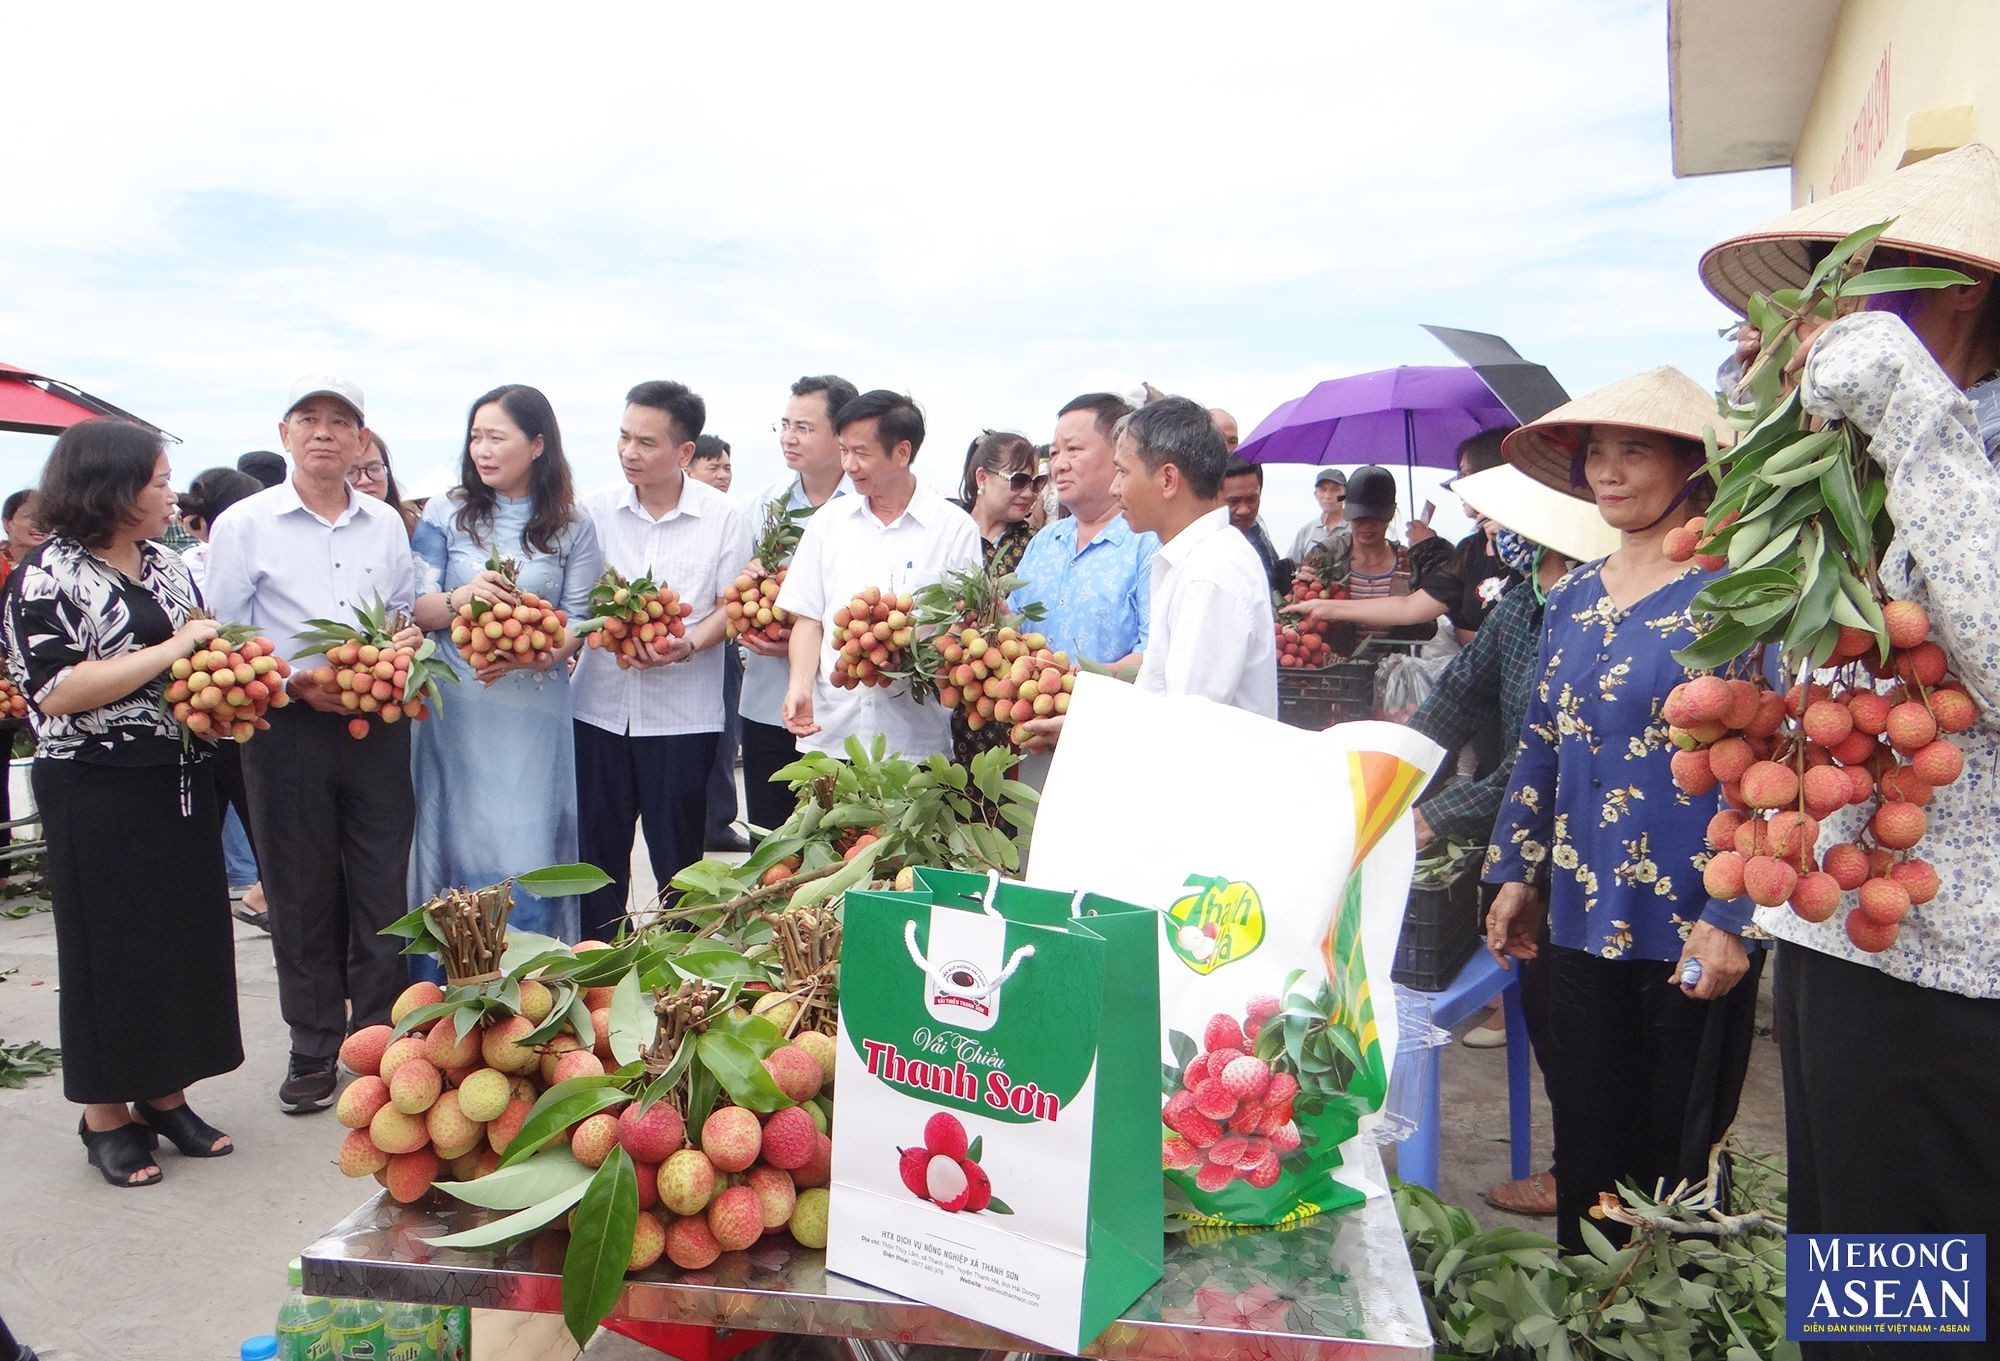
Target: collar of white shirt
x=1175, y=551
x=288, y=500
x=688, y=504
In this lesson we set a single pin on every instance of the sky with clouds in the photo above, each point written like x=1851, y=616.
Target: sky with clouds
x=993, y=208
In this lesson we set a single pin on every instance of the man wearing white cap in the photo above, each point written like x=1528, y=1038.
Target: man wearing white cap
x=333, y=814
x=1330, y=490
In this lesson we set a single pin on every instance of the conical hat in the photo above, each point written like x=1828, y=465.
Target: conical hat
x=1663, y=400
x=1947, y=206
x=1564, y=521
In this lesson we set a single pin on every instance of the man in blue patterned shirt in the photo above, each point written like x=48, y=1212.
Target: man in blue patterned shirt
x=1091, y=571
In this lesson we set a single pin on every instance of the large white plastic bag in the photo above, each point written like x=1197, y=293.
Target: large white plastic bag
x=1280, y=860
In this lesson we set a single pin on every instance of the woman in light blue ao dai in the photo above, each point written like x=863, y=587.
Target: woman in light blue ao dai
x=494, y=771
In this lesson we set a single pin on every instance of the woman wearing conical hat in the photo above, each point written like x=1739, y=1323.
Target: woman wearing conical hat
x=1645, y=1074
x=1907, y=1035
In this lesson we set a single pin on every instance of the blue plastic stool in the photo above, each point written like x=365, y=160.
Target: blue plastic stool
x=1475, y=986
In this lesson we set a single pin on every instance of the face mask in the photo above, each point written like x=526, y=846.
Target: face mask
x=1515, y=550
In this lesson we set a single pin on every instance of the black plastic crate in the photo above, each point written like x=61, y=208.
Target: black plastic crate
x=1440, y=932
x=1320, y=698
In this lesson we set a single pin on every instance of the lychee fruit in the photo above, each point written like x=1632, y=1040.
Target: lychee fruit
x=500, y=1046
x=444, y=1048
x=1816, y=896
x=397, y=1054
x=1692, y=773
x=1722, y=829
x=600, y=1033
x=1768, y=880
x=1723, y=876
x=536, y=1000
x=484, y=1094
x=1901, y=784
x=1263, y=1174
x=1770, y=785
x=1925, y=664
x=1885, y=901
x=420, y=994
x=1246, y=1078
x=943, y=1134
x=411, y=1175
x=362, y=1051
x=788, y=1138
x=1801, y=697
x=1742, y=710
x=1825, y=790
x=1754, y=837
x=1770, y=715
x=775, y=1195
x=358, y=1104
x=415, y=1086
x=395, y=1132
x=578, y=1063
x=1911, y=726
x=1222, y=1032
x=796, y=1072
x=1729, y=758
x=690, y=1245
x=1870, y=935
x=736, y=1219
x=552, y=1052
x=1848, y=864
x=1827, y=721
x=1262, y=1007
x=1198, y=1071
x=1898, y=826
x=649, y=1240
x=655, y=1135
x=1869, y=712
x=808, y=1224
x=1906, y=622
x=502, y=1128
x=946, y=1182
x=978, y=1187
x=1793, y=833
x=731, y=1137
x=687, y=1182
x=1954, y=710
x=1918, y=879
x=1679, y=545
x=1860, y=784
x=359, y=1157
x=1705, y=699
x=1213, y=1177
x=1177, y=1154
x=1852, y=643
x=824, y=1051
x=593, y=1139
x=1854, y=749
x=1214, y=1100
x=818, y=1169
x=1937, y=763
x=452, y=1133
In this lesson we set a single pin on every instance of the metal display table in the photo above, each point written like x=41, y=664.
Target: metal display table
x=1337, y=1287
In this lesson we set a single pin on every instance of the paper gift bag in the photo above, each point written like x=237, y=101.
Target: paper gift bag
x=998, y=1111
x=1279, y=861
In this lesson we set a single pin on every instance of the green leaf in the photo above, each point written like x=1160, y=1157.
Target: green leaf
x=562, y=881
x=1900, y=280
x=999, y=1207
x=548, y=1173
x=1183, y=1048
x=632, y=1021
x=1836, y=259
x=716, y=964
x=702, y=1092
x=664, y=1085
x=413, y=925
x=1843, y=499
x=423, y=1016
x=560, y=1107
x=517, y=1225
x=1600, y=1246
x=761, y=1033
x=524, y=946
x=736, y=1066
x=1723, y=643
x=600, y=1247
x=978, y=1147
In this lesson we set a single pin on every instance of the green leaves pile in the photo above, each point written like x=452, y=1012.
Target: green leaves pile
x=1799, y=512
x=30, y=1058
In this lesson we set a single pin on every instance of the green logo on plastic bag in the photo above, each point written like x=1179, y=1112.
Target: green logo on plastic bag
x=1220, y=923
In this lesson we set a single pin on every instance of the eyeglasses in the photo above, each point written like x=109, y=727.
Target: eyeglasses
x=367, y=472
x=1021, y=481
x=803, y=429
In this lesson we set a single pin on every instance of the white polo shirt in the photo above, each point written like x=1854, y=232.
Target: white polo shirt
x=697, y=548
x=273, y=564
x=1213, y=633
x=766, y=678
x=847, y=549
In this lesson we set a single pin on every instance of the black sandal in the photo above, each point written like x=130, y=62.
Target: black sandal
x=192, y=1135
x=118, y=1153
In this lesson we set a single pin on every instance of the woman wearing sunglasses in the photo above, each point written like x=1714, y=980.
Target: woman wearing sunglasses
x=1000, y=488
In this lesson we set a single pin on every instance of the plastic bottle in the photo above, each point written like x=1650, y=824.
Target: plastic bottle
x=409, y=1333
x=357, y=1331
x=454, y=1334
x=305, y=1322
x=263, y=1347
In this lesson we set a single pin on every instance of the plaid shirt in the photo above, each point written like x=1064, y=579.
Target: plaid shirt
x=1500, y=663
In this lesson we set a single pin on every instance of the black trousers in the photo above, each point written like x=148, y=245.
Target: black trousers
x=722, y=771
x=766, y=751
x=228, y=764
x=1890, y=1096
x=621, y=781
x=1646, y=1079
x=332, y=817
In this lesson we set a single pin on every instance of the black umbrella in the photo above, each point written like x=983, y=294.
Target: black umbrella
x=1528, y=391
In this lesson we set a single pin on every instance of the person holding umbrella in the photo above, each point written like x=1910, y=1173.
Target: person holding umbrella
x=1393, y=591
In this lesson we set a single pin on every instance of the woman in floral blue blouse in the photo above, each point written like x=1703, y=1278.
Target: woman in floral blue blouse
x=1646, y=1073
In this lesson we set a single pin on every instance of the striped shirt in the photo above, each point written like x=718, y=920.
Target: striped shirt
x=697, y=548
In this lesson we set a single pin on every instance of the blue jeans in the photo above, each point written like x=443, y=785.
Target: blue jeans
x=236, y=854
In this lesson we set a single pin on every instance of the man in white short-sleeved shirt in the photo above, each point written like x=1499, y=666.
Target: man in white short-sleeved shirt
x=892, y=534
x=646, y=735
x=331, y=817
x=812, y=477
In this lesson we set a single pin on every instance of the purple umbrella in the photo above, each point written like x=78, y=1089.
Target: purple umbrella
x=1421, y=413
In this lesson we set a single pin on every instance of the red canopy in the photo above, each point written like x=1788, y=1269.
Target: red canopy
x=38, y=405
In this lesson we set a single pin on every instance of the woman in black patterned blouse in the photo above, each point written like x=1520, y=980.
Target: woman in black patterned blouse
x=144, y=955
x=999, y=490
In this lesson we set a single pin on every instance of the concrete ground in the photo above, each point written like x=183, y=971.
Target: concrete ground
x=194, y=1265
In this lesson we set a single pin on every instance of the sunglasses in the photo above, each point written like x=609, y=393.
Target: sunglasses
x=1021, y=481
